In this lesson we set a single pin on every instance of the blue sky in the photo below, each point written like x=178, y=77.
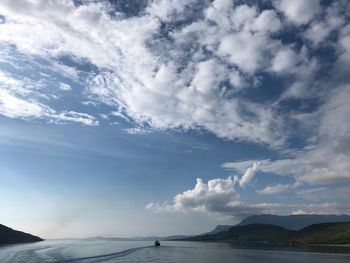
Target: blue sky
x=124, y=118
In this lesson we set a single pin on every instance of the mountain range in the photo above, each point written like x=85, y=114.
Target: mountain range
x=317, y=234
x=293, y=229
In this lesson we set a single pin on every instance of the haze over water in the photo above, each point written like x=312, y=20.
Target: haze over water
x=89, y=251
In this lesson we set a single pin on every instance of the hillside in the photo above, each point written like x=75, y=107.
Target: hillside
x=253, y=232
x=294, y=222
x=326, y=233
x=219, y=228
x=11, y=236
x=320, y=234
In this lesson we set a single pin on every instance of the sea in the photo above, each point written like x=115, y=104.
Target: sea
x=102, y=250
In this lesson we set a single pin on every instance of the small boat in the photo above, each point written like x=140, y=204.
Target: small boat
x=156, y=243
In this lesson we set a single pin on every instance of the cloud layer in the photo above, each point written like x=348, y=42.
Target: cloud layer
x=170, y=67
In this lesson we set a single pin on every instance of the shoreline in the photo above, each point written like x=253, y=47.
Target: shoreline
x=319, y=248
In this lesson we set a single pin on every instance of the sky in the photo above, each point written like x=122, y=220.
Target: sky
x=161, y=117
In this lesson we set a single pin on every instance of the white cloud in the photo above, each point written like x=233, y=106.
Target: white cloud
x=119, y=114
x=73, y=116
x=327, y=208
x=247, y=51
x=249, y=174
x=299, y=212
x=243, y=15
x=285, y=60
x=313, y=164
x=65, y=87
x=267, y=21
x=274, y=189
x=137, y=130
x=318, y=194
x=343, y=48
x=278, y=189
x=14, y=107
x=299, y=11
x=319, y=30
x=247, y=18
x=217, y=197
x=14, y=103
x=170, y=10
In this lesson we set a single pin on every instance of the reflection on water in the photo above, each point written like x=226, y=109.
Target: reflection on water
x=88, y=251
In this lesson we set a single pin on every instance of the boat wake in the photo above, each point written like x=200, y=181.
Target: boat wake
x=104, y=256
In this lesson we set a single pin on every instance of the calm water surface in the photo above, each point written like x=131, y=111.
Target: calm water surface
x=88, y=251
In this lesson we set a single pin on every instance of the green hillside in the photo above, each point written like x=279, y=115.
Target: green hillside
x=318, y=234
x=327, y=233
x=248, y=233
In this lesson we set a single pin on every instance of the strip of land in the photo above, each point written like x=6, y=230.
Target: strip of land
x=11, y=236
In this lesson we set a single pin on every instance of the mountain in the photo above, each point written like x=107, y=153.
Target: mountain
x=11, y=236
x=324, y=234
x=253, y=232
x=219, y=228
x=294, y=222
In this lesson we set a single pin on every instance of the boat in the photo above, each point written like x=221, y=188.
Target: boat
x=157, y=243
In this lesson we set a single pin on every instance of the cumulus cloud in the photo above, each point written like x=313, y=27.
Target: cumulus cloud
x=246, y=50
x=319, y=31
x=267, y=21
x=299, y=11
x=331, y=21
x=217, y=196
x=285, y=60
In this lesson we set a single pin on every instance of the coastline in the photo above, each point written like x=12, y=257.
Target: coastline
x=263, y=245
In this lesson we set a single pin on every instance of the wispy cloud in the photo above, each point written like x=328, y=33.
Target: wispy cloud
x=278, y=188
